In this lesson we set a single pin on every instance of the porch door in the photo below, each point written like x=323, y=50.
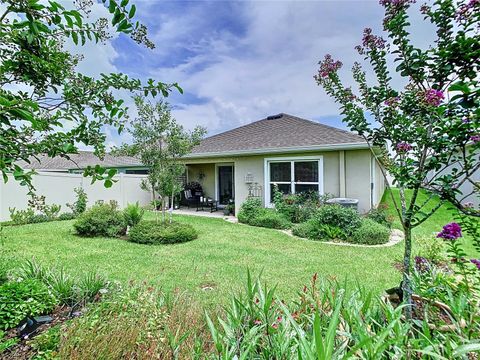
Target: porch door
x=225, y=184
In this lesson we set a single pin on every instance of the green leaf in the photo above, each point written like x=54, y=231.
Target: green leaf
x=132, y=11
x=108, y=183
x=124, y=3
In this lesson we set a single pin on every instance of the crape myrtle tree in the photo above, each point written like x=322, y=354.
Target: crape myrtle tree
x=46, y=105
x=160, y=142
x=428, y=129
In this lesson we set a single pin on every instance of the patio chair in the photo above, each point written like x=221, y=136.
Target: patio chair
x=191, y=200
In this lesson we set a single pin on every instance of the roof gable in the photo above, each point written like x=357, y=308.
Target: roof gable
x=282, y=131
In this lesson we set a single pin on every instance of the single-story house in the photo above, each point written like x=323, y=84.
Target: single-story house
x=295, y=154
x=78, y=162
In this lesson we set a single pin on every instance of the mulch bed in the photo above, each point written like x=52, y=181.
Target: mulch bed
x=23, y=349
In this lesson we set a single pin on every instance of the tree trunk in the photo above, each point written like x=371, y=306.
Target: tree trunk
x=154, y=204
x=406, y=283
x=172, y=204
x=163, y=210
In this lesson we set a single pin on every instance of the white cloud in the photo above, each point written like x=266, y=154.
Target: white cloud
x=270, y=68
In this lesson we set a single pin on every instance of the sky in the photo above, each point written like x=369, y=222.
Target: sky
x=239, y=62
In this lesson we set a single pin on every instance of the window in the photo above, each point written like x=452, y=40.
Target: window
x=293, y=175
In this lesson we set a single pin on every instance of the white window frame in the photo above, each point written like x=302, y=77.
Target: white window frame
x=292, y=182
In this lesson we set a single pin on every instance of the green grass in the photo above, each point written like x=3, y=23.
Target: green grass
x=219, y=257
x=432, y=225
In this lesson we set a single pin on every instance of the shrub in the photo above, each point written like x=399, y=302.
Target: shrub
x=46, y=343
x=132, y=214
x=39, y=218
x=21, y=217
x=249, y=209
x=23, y=298
x=151, y=232
x=66, y=216
x=371, y=233
x=380, y=215
x=51, y=211
x=431, y=248
x=80, y=204
x=269, y=218
x=298, y=208
x=100, y=220
x=307, y=230
x=345, y=218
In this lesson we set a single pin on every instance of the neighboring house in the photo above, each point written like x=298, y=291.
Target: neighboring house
x=78, y=162
x=296, y=154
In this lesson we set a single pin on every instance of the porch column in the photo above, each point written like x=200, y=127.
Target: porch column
x=341, y=162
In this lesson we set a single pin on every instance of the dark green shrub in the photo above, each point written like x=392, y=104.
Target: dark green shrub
x=307, y=230
x=51, y=211
x=269, y=218
x=371, y=233
x=380, y=215
x=23, y=298
x=100, y=220
x=66, y=216
x=345, y=218
x=39, y=218
x=249, y=209
x=21, y=217
x=47, y=342
x=152, y=232
x=132, y=214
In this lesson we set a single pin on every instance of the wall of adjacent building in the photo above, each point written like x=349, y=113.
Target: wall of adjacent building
x=58, y=188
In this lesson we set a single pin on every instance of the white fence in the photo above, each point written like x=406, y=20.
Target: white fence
x=58, y=189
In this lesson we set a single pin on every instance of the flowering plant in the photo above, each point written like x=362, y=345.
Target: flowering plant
x=424, y=133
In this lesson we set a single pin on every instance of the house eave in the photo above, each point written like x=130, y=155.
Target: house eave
x=282, y=150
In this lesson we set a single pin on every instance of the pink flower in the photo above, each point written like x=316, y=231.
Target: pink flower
x=475, y=138
x=257, y=322
x=450, y=231
x=372, y=41
x=433, y=97
x=404, y=147
x=328, y=66
x=476, y=262
x=396, y=3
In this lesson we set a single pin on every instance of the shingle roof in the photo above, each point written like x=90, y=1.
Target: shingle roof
x=79, y=161
x=277, y=132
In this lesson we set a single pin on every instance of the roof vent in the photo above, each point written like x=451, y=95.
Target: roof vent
x=273, y=117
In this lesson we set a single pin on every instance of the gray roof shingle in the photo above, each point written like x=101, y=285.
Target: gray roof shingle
x=278, y=132
x=79, y=161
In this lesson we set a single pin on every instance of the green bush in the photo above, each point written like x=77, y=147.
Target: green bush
x=100, y=220
x=269, y=218
x=23, y=298
x=344, y=218
x=51, y=211
x=39, y=218
x=249, y=209
x=21, y=217
x=66, y=216
x=133, y=213
x=307, y=230
x=371, y=233
x=298, y=208
x=380, y=215
x=80, y=204
x=151, y=232
x=313, y=230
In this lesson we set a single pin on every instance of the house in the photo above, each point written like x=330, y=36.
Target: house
x=78, y=162
x=295, y=154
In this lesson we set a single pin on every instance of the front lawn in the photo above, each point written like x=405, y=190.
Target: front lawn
x=218, y=259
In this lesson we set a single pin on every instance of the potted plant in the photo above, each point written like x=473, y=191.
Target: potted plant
x=230, y=208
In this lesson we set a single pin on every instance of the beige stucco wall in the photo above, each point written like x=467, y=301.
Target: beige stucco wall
x=357, y=174
x=379, y=188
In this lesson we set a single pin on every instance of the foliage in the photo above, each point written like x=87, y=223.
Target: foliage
x=62, y=106
x=371, y=233
x=194, y=187
x=100, y=220
x=346, y=218
x=381, y=215
x=269, y=218
x=324, y=323
x=21, y=217
x=67, y=216
x=39, y=218
x=80, y=204
x=138, y=323
x=66, y=289
x=151, y=232
x=51, y=211
x=46, y=343
x=298, y=208
x=306, y=230
x=432, y=249
x=160, y=141
x=426, y=131
x=133, y=213
x=21, y=299
x=249, y=210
